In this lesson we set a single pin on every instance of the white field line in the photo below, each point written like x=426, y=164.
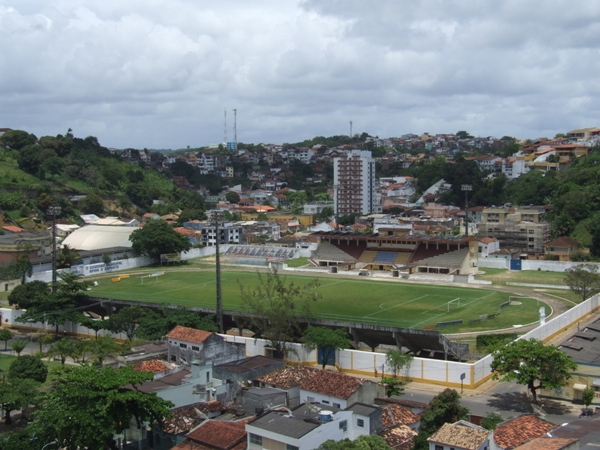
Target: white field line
x=565, y=299
x=396, y=306
x=181, y=288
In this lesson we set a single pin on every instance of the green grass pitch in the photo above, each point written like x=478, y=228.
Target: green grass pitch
x=358, y=300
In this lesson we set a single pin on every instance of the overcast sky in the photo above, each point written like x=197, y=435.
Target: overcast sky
x=160, y=74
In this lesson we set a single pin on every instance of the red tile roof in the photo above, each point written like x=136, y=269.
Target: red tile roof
x=563, y=241
x=153, y=366
x=12, y=229
x=393, y=415
x=289, y=376
x=548, y=443
x=189, y=334
x=332, y=383
x=185, y=418
x=219, y=435
x=521, y=429
x=399, y=437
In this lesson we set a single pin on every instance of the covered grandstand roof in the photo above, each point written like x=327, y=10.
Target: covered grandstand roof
x=409, y=238
x=96, y=237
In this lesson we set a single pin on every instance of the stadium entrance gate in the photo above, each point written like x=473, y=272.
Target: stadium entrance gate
x=515, y=264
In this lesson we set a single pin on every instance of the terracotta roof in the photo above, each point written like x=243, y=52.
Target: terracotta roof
x=487, y=240
x=153, y=366
x=189, y=334
x=13, y=229
x=521, y=429
x=249, y=364
x=459, y=435
x=547, y=443
x=399, y=437
x=186, y=418
x=219, y=435
x=289, y=376
x=563, y=241
x=332, y=383
x=393, y=415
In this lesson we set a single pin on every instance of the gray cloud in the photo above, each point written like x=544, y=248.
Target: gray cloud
x=159, y=74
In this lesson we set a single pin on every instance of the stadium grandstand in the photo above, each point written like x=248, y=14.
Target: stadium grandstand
x=390, y=250
x=257, y=254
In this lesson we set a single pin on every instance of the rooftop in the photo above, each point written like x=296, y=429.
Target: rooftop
x=460, y=435
x=189, y=334
x=289, y=376
x=332, y=383
x=521, y=429
x=246, y=364
x=219, y=435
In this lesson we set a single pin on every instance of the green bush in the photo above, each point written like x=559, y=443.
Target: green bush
x=486, y=341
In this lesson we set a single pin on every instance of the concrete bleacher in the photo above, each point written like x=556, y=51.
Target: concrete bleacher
x=402, y=257
x=425, y=252
x=368, y=256
x=331, y=253
x=259, y=251
x=355, y=249
x=385, y=257
x=450, y=259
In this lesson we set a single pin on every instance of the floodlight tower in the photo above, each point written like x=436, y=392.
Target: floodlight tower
x=235, y=127
x=466, y=188
x=225, y=126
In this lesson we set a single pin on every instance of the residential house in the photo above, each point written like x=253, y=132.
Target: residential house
x=550, y=443
x=561, y=248
x=521, y=429
x=583, y=349
x=241, y=370
x=289, y=380
x=463, y=435
x=308, y=426
x=338, y=389
x=216, y=435
x=487, y=245
x=186, y=345
x=399, y=437
x=151, y=216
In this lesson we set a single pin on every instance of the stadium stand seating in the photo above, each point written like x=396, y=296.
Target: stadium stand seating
x=257, y=251
x=403, y=257
x=328, y=252
x=423, y=252
x=451, y=259
x=385, y=257
x=368, y=256
x=354, y=249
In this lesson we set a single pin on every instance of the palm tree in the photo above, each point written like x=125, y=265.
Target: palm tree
x=104, y=347
x=82, y=348
x=66, y=257
x=63, y=348
x=18, y=345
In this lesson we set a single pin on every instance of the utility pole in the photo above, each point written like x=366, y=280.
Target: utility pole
x=54, y=211
x=467, y=188
x=336, y=188
x=215, y=217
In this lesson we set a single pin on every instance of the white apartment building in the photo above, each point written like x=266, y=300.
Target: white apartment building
x=354, y=181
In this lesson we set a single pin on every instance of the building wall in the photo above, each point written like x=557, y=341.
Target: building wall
x=214, y=349
x=354, y=176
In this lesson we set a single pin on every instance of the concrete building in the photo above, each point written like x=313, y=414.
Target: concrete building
x=228, y=232
x=354, y=178
x=521, y=228
x=186, y=345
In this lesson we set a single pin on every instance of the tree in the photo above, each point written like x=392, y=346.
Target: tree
x=232, y=197
x=17, y=139
x=94, y=324
x=326, y=213
x=18, y=345
x=63, y=349
x=66, y=257
x=276, y=308
x=363, y=442
x=584, y=280
x=28, y=366
x=397, y=360
x=24, y=295
x=87, y=406
x=92, y=204
x=491, y=421
x=393, y=386
x=327, y=340
x=158, y=237
x=104, y=347
x=53, y=165
x=588, y=396
x=443, y=408
x=530, y=361
x=154, y=326
x=127, y=320
x=6, y=335
x=15, y=394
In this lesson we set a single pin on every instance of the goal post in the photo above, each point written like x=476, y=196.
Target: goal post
x=453, y=304
x=154, y=275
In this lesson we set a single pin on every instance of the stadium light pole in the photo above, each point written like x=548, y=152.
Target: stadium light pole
x=336, y=188
x=216, y=219
x=54, y=211
x=466, y=188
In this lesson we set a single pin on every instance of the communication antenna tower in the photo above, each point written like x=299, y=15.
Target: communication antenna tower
x=350, y=129
x=235, y=127
x=225, y=126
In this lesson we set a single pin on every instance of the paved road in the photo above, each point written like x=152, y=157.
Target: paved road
x=507, y=399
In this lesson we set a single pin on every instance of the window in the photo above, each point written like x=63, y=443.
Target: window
x=257, y=440
x=439, y=447
x=360, y=422
x=325, y=401
x=207, y=377
x=337, y=405
x=290, y=447
x=183, y=345
x=195, y=348
x=310, y=399
x=344, y=425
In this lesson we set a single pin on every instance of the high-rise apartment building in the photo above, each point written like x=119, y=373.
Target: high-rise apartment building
x=354, y=183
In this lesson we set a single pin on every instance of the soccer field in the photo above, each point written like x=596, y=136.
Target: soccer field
x=357, y=300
